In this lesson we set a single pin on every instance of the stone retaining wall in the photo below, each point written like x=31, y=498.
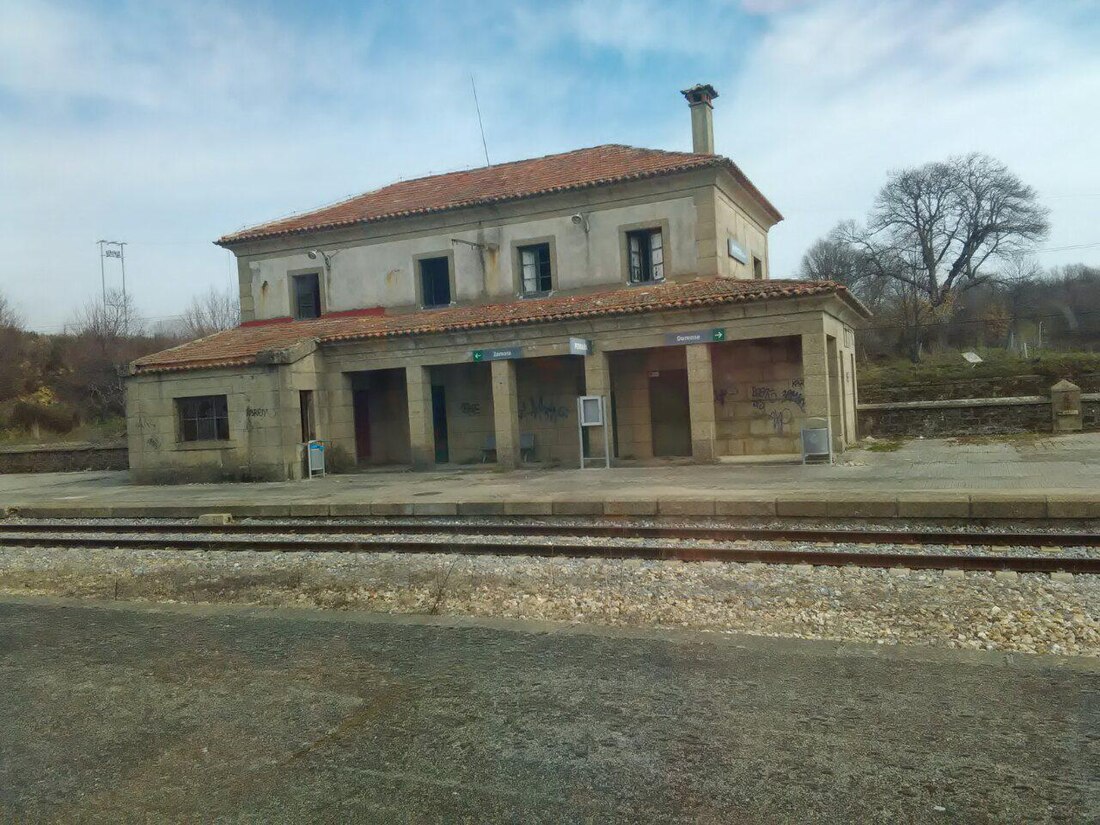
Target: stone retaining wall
x=59, y=458
x=968, y=416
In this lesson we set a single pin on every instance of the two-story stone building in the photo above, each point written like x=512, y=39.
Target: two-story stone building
x=429, y=322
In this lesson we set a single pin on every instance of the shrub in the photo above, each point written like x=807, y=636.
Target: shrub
x=28, y=415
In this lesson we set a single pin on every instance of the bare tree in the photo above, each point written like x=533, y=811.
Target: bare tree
x=9, y=316
x=100, y=339
x=211, y=312
x=936, y=227
x=106, y=322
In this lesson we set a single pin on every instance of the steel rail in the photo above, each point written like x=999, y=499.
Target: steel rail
x=747, y=553
x=624, y=529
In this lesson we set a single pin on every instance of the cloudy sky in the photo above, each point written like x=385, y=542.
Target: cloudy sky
x=167, y=124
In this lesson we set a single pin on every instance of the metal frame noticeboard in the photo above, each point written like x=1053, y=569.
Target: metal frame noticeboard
x=592, y=412
x=315, y=458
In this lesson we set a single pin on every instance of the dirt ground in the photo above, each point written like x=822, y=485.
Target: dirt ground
x=129, y=714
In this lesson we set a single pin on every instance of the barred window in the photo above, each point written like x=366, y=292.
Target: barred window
x=203, y=418
x=647, y=255
x=535, y=263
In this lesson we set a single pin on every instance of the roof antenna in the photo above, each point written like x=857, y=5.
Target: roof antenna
x=481, y=125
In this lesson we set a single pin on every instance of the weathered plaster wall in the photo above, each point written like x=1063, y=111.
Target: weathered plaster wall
x=734, y=222
x=382, y=272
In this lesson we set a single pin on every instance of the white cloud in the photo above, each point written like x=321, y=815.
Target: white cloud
x=168, y=124
x=835, y=95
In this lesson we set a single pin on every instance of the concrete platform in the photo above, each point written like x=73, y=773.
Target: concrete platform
x=1057, y=477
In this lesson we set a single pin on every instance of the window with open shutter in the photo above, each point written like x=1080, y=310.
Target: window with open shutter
x=646, y=251
x=534, y=263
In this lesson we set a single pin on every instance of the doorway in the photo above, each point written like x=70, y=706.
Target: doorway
x=439, y=424
x=670, y=416
x=360, y=403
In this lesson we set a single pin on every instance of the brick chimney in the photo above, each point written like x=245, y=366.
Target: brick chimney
x=699, y=98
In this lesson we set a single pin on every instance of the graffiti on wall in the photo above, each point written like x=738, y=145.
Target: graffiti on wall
x=778, y=404
x=538, y=408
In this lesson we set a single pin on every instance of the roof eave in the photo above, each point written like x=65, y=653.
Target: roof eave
x=248, y=235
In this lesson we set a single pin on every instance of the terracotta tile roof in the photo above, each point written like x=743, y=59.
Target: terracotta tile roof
x=239, y=346
x=579, y=169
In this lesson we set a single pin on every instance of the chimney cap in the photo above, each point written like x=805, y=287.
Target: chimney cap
x=700, y=93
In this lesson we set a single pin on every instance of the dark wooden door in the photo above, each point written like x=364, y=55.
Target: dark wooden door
x=669, y=415
x=439, y=424
x=361, y=411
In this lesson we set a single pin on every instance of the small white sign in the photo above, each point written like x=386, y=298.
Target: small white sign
x=972, y=357
x=736, y=252
x=590, y=409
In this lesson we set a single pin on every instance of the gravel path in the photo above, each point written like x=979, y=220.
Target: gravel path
x=1029, y=613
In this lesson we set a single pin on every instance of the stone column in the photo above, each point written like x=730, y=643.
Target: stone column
x=597, y=381
x=815, y=374
x=704, y=430
x=506, y=413
x=418, y=383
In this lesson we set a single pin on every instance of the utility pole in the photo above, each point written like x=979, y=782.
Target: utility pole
x=119, y=251
x=102, y=274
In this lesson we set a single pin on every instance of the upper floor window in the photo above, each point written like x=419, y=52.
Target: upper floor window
x=645, y=248
x=307, y=296
x=203, y=418
x=757, y=269
x=435, y=282
x=534, y=264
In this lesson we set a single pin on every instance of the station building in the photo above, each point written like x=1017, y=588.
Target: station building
x=429, y=323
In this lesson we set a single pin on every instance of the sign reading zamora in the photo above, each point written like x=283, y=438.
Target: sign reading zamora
x=700, y=336
x=499, y=354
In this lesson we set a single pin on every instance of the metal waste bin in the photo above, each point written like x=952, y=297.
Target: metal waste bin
x=817, y=442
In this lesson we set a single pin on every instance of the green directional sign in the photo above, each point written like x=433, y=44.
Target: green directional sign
x=699, y=336
x=498, y=354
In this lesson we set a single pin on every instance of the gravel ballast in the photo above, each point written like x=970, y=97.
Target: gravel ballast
x=1032, y=613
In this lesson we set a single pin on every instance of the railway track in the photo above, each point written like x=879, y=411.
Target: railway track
x=734, y=544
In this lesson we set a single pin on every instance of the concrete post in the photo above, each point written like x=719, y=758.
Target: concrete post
x=506, y=413
x=815, y=374
x=704, y=430
x=418, y=383
x=1065, y=408
x=597, y=381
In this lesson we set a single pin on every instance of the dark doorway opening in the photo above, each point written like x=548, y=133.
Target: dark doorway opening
x=439, y=424
x=309, y=426
x=670, y=416
x=361, y=410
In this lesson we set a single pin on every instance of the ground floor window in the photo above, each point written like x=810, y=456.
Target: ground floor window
x=203, y=418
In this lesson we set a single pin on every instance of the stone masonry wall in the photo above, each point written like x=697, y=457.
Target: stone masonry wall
x=62, y=458
x=974, y=416
x=758, y=395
